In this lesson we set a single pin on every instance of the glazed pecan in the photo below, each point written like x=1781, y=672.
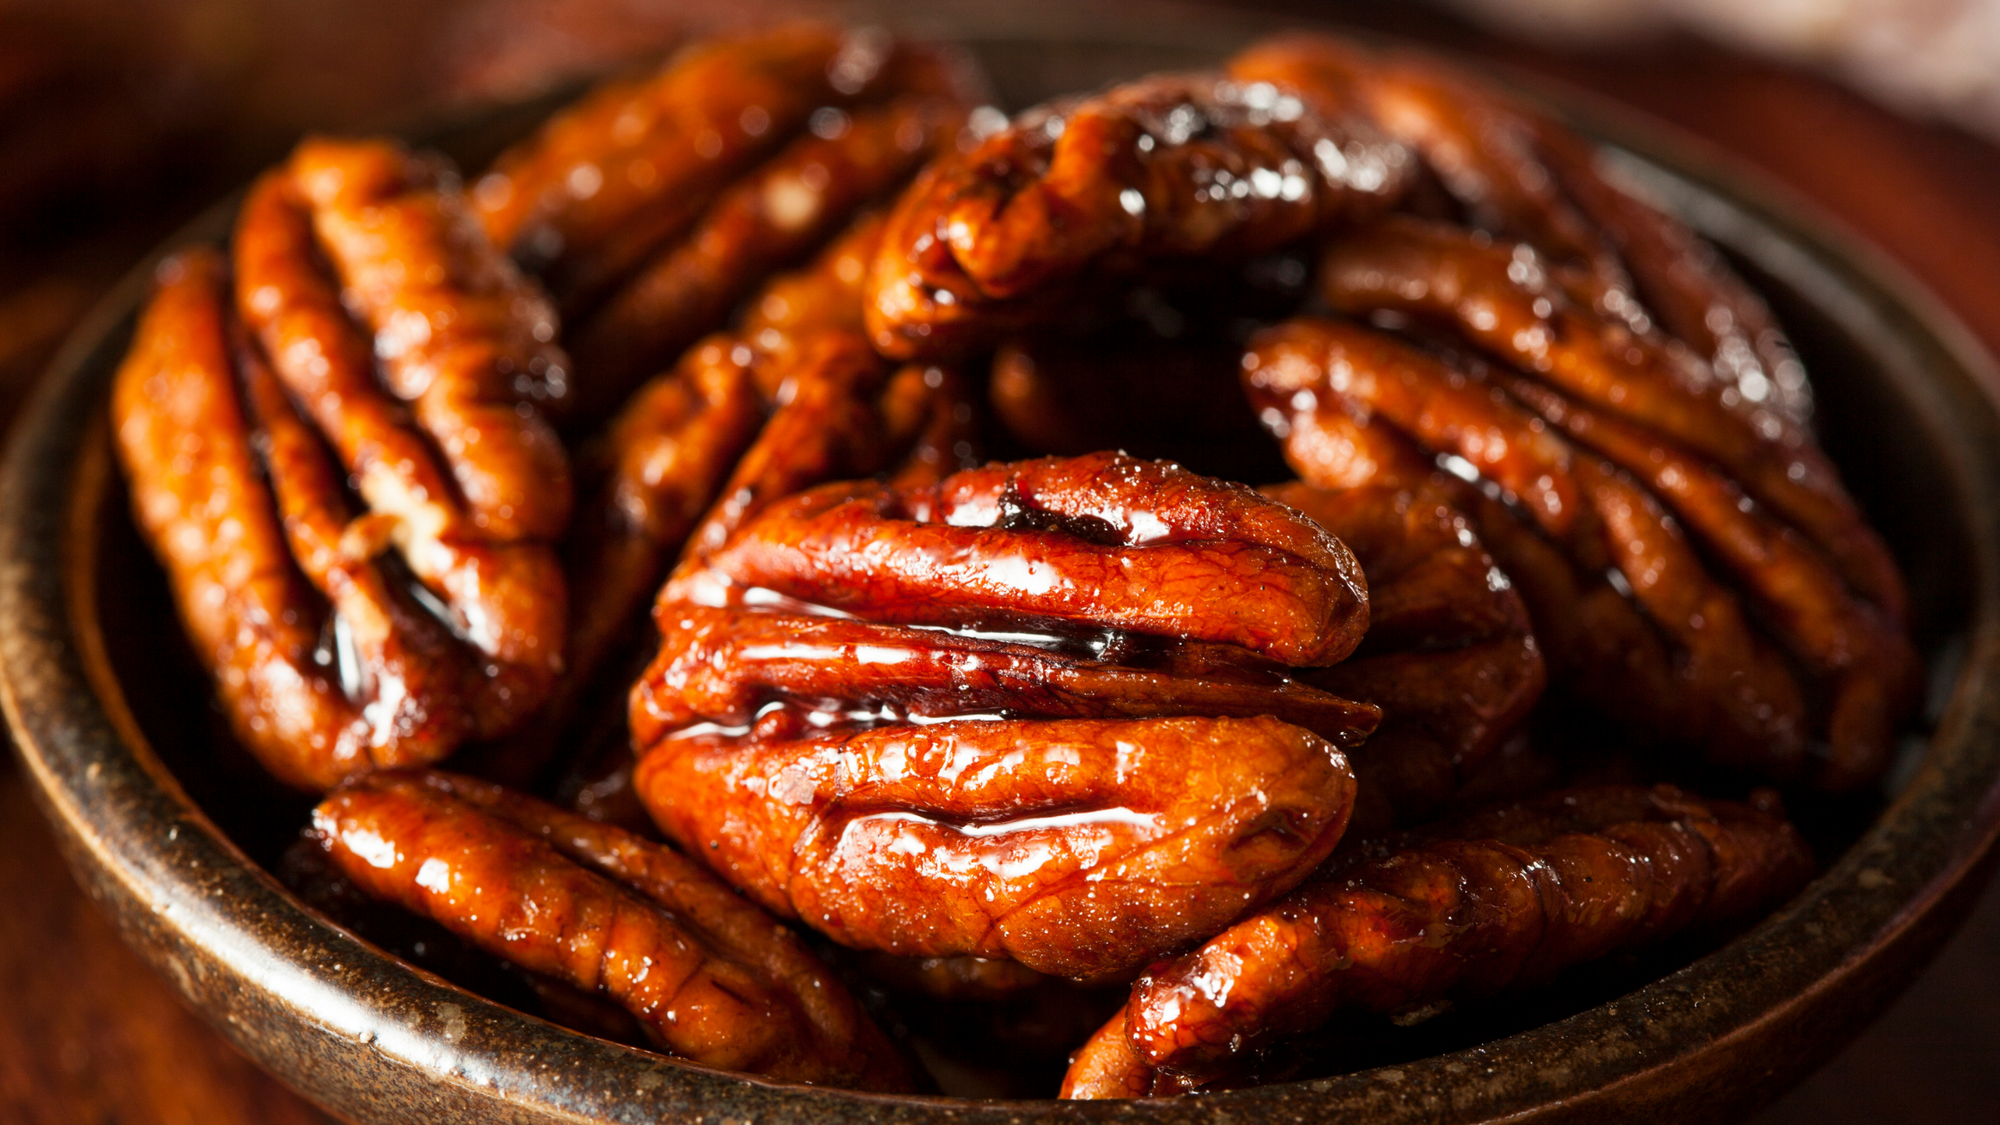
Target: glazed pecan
x=1449, y=655
x=1168, y=168
x=250, y=516
x=442, y=439
x=989, y=715
x=1520, y=174
x=710, y=977
x=605, y=184
x=1505, y=300
x=200, y=496
x=1730, y=690
x=771, y=216
x=1494, y=902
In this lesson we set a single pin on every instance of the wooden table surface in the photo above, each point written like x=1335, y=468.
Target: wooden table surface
x=88, y=1036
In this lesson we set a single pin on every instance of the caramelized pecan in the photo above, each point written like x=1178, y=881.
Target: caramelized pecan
x=1520, y=174
x=1497, y=901
x=1504, y=299
x=1571, y=468
x=1029, y=675
x=372, y=675
x=771, y=216
x=605, y=184
x=443, y=439
x=1173, y=167
x=709, y=976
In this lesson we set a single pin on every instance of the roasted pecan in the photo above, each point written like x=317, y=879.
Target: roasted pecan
x=1173, y=167
x=985, y=716
x=443, y=457
x=1497, y=901
x=1449, y=655
x=1520, y=174
x=709, y=976
x=459, y=471
x=773, y=215
x=1567, y=466
x=605, y=184
x=1504, y=299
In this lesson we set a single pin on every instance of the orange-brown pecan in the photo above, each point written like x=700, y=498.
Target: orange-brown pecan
x=442, y=437
x=1603, y=483
x=1497, y=901
x=1505, y=300
x=1052, y=682
x=198, y=463
x=710, y=977
x=770, y=217
x=605, y=184
x=1520, y=174
x=1173, y=167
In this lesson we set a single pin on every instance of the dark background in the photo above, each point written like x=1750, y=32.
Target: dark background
x=120, y=120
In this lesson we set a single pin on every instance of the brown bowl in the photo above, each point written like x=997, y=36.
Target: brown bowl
x=106, y=712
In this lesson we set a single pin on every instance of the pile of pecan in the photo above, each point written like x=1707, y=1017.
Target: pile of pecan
x=1079, y=738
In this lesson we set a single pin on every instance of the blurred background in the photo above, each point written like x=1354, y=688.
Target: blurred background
x=121, y=120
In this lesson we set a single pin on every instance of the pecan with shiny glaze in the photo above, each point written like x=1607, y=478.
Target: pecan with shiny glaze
x=1497, y=901
x=1518, y=173
x=1449, y=655
x=1738, y=696
x=1032, y=671
x=1168, y=168
x=244, y=563
x=1506, y=300
x=710, y=977
x=606, y=183
x=443, y=437
x=773, y=215
x=1077, y=847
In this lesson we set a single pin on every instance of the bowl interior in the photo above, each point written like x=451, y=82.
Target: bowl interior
x=1899, y=410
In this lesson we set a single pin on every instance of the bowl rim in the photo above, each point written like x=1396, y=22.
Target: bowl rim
x=217, y=924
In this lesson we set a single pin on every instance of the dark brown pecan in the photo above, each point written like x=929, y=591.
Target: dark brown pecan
x=606, y=183
x=965, y=717
x=1173, y=167
x=773, y=215
x=1571, y=470
x=709, y=976
x=1449, y=655
x=1497, y=901
x=1520, y=174
x=1504, y=299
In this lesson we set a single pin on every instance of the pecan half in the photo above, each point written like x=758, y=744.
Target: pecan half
x=1173, y=167
x=629, y=169
x=1497, y=901
x=1571, y=468
x=252, y=519
x=1520, y=174
x=444, y=443
x=710, y=977
x=771, y=216
x=991, y=715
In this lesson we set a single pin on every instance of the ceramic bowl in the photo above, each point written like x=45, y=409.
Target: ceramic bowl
x=107, y=714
